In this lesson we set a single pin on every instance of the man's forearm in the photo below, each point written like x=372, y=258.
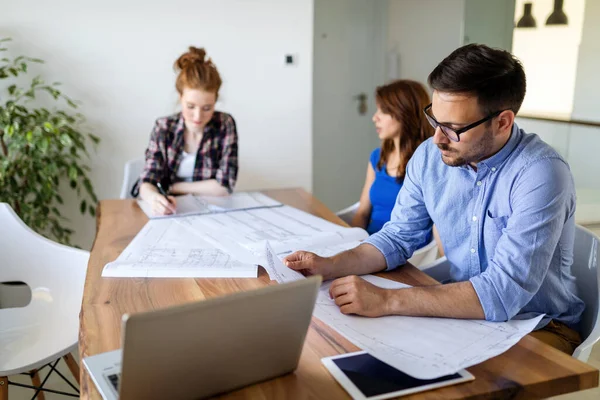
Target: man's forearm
x=454, y=300
x=364, y=259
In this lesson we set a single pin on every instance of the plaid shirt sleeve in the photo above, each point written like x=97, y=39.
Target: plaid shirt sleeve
x=228, y=165
x=155, y=155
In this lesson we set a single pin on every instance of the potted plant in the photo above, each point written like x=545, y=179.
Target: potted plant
x=40, y=148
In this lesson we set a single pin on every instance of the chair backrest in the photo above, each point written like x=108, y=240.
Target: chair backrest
x=586, y=261
x=348, y=213
x=33, y=259
x=131, y=173
x=56, y=275
x=425, y=255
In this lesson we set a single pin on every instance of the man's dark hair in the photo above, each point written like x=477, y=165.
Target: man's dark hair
x=495, y=76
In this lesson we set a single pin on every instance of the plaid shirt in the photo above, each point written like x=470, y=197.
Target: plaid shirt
x=217, y=156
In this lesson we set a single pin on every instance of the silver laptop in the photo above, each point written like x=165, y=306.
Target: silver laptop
x=209, y=347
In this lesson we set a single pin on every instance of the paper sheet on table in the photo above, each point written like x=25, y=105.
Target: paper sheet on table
x=279, y=272
x=165, y=249
x=286, y=228
x=188, y=205
x=425, y=348
x=241, y=201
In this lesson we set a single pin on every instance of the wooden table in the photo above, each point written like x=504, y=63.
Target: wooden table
x=530, y=369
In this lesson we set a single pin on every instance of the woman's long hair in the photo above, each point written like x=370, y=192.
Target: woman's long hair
x=404, y=100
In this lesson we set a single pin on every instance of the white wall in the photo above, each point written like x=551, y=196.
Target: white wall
x=549, y=54
x=117, y=56
x=587, y=84
x=424, y=32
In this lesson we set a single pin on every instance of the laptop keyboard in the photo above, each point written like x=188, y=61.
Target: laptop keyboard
x=114, y=380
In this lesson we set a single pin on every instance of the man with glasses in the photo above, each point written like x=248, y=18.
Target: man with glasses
x=503, y=202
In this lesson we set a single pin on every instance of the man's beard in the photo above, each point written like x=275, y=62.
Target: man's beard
x=481, y=150
x=456, y=162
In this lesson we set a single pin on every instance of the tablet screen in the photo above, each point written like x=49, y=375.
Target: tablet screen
x=373, y=377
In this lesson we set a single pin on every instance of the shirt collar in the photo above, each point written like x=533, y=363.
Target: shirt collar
x=180, y=126
x=501, y=156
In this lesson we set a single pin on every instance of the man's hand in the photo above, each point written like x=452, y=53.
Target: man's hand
x=308, y=263
x=354, y=295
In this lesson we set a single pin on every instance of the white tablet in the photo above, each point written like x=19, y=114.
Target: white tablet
x=365, y=377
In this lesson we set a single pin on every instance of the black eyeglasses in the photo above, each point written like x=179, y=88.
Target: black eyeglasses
x=454, y=134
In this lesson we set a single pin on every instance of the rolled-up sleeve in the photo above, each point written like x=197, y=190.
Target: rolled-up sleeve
x=227, y=172
x=542, y=200
x=410, y=223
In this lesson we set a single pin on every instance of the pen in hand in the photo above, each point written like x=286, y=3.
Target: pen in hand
x=164, y=193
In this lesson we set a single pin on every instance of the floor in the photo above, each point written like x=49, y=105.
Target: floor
x=56, y=383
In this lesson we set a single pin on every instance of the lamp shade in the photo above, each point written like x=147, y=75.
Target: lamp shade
x=527, y=20
x=558, y=16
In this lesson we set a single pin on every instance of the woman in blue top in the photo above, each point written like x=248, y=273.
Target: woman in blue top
x=402, y=127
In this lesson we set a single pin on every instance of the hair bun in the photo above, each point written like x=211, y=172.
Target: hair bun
x=195, y=55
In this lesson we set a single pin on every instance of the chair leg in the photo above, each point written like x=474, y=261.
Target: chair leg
x=3, y=388
x=35, y=379
x=73, y=367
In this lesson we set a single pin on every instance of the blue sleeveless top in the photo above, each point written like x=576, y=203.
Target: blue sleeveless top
x=383, y=194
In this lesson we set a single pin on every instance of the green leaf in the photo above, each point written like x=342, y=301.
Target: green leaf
x=83, y=206
x=44, y=144
x=66, y=140
x=94, y=138
x=12, y=89
x=23, y=67
x=48, y=127
x=92, y=211
x=88, y=187
x=72, y=173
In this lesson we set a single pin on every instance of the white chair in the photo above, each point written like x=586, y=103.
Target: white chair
x=131, y=173
x=348, y=213
x=586, y=262
x=39, y=334
x=422, y=256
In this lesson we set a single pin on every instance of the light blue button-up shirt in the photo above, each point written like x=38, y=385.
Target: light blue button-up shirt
x=508, y=227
